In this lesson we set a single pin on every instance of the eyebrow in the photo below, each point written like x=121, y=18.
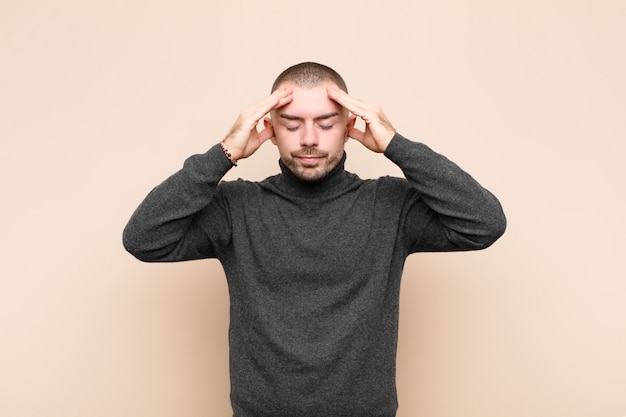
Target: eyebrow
x=318, y=118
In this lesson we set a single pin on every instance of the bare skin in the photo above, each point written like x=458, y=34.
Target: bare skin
x=310, y=126
x=244, y=139
x=378, y=129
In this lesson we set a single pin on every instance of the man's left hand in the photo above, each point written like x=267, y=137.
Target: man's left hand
x=378, y=130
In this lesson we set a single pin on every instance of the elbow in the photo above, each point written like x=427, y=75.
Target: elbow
x=494, y=229
x=132, y=244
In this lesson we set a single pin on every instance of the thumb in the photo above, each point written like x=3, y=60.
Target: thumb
x=267, y=132
x=357, y=134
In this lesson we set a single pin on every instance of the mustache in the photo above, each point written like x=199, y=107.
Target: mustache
x=308, y=152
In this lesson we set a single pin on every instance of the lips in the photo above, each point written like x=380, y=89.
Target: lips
x=309, y=159
x=312, y=153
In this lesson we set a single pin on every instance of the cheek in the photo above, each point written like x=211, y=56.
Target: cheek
x=284, y=141
x=283, y=136
x=336, y=137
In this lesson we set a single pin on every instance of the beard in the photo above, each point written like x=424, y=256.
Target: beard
x=310, y=164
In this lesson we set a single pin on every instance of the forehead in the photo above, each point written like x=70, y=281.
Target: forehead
x=310, y=101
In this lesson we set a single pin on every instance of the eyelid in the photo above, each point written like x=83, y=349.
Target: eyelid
x=322, y=126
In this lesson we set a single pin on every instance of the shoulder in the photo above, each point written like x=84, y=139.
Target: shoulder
x=391, y=185
x=388, y=191
x=239, y=185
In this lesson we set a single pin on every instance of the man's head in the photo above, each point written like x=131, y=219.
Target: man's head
x=311, y=131
x=309, y=74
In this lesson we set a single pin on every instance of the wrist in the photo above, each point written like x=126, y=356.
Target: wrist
x=228, y=154
x=384, y=141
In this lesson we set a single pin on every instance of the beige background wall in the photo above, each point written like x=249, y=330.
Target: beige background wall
x=101, y=100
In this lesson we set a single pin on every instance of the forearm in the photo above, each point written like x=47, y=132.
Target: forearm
x=469, y=216
x=159, y=229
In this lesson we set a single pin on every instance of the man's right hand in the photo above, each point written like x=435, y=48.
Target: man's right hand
x=244, y=139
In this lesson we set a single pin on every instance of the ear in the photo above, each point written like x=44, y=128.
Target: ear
x=349, y=126
x=267, y=124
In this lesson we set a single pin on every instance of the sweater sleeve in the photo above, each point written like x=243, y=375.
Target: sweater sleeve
x=448, y=210
x=182, y=218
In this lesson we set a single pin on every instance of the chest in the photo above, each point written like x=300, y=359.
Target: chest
x=313, y=242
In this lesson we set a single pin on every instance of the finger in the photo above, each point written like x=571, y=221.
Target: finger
x=283, y=101
x=278, y=98
x=265, y=134
x=353, y=105
x=270, y=103
x=356, y=134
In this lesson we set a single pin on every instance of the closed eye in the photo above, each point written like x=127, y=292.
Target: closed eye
x=323, y=127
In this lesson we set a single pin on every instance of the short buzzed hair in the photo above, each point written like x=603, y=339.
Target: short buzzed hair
x=309, y=74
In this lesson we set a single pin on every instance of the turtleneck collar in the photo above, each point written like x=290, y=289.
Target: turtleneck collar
x=335, y=181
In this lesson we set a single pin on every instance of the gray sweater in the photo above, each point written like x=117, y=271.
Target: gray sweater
x=314, y=269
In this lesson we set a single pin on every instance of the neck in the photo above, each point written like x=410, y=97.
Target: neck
x=317, y=188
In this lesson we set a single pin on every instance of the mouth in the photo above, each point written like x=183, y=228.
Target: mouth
x=309, y=158
x=301, y=156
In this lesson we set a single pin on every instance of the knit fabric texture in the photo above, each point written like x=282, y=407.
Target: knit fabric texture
x=314, y=269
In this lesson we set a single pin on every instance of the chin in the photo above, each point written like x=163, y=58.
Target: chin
x=310, y=175
x=311, y=178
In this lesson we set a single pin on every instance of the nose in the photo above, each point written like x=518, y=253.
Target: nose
x=308, y=137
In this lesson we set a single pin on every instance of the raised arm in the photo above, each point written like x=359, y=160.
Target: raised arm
x=449, y=210
x=184, y=218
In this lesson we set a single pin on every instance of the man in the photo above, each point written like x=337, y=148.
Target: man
x=313, y=256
